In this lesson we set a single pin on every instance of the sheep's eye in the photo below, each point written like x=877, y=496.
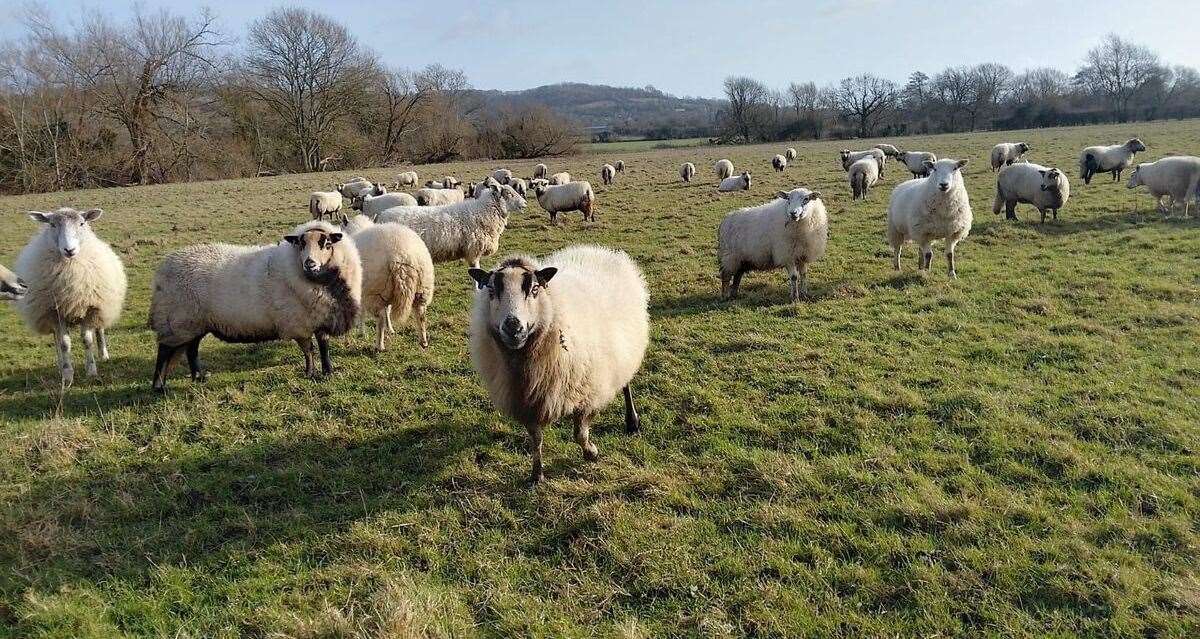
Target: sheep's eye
x=533, y=290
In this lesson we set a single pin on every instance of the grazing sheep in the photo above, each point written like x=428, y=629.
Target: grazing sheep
x=372, y=205
x=560, y=337
x=438, y=197
x=355, y=188
x=888, y=150
x=573, y=196
x=915, y=161
x=1028, y=183
x=540, y=171
x=607, y=173
x=863, y=175
x=735, y=183
x=723, y=169
x=488, y=182
x=519, y=185
x=779, y=163
x=931, y=208
x=397, y=275
x=450, y=182
x=324, y=203
x=1108, y=159
x=1005, y=153
x=790, y=154
x=559, y=179
x=1176, y=176
x=308, y=286
x=850, y=157
x=407, y=178
x=687, y=171
x=788, y=232
x=74, y=279
x=464, y=231
x=620, y=166
x=502, y=175
x=12, y=287
x=536, y=182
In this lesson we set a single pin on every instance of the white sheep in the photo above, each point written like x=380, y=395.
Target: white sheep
x=735, y=183
x=74, y=279
x=559, y=179
x=519, y=185
x=464, y=231
x=1108, y=159
x=536, y=182
x=1176, y=176
x=324, y=203
x=372, y=205
x=355, y=188
x=560, y=337
x=540, y=171
x=573, y=196
x=607, y=173
x=790, y=154
x=434, y=184
x=488, y=182
x=620, y=166
x=931, y=208
x=789, y=232
x=1006, y=153
x=450, y=182
x=307, y=286
x=1027, y=183
x=438, y=197
x=779, y=162
x=915, y=161
x=849, y=157
x=397, y=275
x=863, y=174
x=12, y=287
x=723, y=169
x=502, y=175
x=687, y=171
x=407, y=178
x=888, y=150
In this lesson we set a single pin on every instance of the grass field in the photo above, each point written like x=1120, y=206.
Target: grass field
x=1016, y=453
x=637, y=146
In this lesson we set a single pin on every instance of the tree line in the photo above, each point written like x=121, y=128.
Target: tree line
x=1119, y=81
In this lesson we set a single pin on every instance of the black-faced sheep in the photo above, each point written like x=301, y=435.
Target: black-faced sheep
x=1108, y=159
x=1027, y=183
x=779, y=163
x=927, y=209
x=789, y=232
x=790, y=154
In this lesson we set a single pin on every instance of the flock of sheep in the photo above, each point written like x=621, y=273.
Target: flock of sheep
x=549, y=338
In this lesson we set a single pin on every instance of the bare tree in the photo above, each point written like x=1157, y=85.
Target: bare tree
x=989, y=82
x=746, y=98
x=1118, y=69
x=866, y=99
x=401, y=93
x=952, y=93
x=536, y=131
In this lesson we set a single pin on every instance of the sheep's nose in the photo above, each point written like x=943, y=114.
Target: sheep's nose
x=70, y=252
x=944, y=186
x=512, y=326
x=310, y=264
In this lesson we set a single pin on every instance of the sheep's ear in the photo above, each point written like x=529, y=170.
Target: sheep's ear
x=92, y=215
x=545, y=275
x=815, y=195
x=334, y=238
x=927, y=165
x=292, y=239
x=783, y=195
x=962, y=163
x=38, y=216
x=1043, y=172
x=480, y=276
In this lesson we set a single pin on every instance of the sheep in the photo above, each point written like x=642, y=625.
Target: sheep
x=723, y=169
x=502, y=175
x=304, y=287
x=535, y=182
x=850, y=157
x=407, y=178
x=540, y=171
x=450, y=182
x=560, y=337
x=1108, y=159
x=607, y=173
x=687, y=171
x=355, y=188
x=863, y=175
x=573, y=196
x=790, y=154
x=1027, y=183
x=559, y=179
x=779, y=163
x=12, y=287
x=1005, y=153
x=888, y=150
x=925, y=209
x=74, y=279
x=519, y=185
x=438, y=197
x=323, y=203
x=397, y=275
x=372, y=205
x=434, y=184
x=464, y=231
x=1175, y=176
x=915, y=161
x=789, y=232
x=735, y=183
x=488, y=182
x=620, y=166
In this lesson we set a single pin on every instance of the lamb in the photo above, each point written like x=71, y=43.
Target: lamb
x=307, y=286
x=620, y=166
x=1005, y=153
x=779, y=162
x=560, y=337
x=355, y=188
x=790, y=154
x=789, y=232
x=558, y=179
x=438, y=197
x=397, y=275
x=1175, y=176
x=1108, y=159
x=863, y=175
x=408, y=178
x=540, y=171
x=573, y=196
x=735, y=183
x=324, y=203
x=502, y=175
x=915, y=161
x=850, y=157
x=1028, y=183
x=464, y=231
x=888, y=150
x=926, y=209
x=687, y=171
x=12, y=287
x=372, y=205
x=519, y=185
x=74, y=279
x=607, y=173
x=723, y=169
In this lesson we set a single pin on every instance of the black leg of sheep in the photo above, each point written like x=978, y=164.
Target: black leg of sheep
x=633, y=424
x=323, y=346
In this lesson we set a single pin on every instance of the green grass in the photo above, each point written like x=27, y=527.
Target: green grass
x=637, y=146
x=1011, y=454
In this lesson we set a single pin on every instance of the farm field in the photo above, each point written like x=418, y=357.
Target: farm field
x=631, y=146
x=1015, y=453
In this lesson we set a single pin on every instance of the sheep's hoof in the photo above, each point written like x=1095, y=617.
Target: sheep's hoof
x=633, y=426
x=537, y=478
x=161, y=389
x=200, y=376
x=591, y=454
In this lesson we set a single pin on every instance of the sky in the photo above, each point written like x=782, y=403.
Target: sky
x=688, y=47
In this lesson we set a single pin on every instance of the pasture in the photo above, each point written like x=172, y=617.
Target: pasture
x=1015, y=453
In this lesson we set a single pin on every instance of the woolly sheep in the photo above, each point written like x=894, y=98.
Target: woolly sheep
x=573, y=196
x=863, y=175
x=434, y=184
x=1005, y=153
x=735, y=183
x=540, y=171
x=723, y=169
x=407, y=178
x=1027, y=183
x=850, y=157
x=450, y=182
x=535, y=182
x=12, y=287
x=560, y=337
x=607, y=173
x=397, y=275
x=915, y=161
x=502, y=175
x=931, y=208
x=324, y=203
x=558, y=179
x=372, y=205
x=1108, y=159
x=687, y=171
x=620, y=166
x=355, y=188
x=519, y=185
x=488, y=182
x=438, y=197
x=307, y=286
x=790, y=154
x=464, y=231
x=888, y=150
x=779, y=162
x=74, y=279
x=1176, y=176
x=789, y=232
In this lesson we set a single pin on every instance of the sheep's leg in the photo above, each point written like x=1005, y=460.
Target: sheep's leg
x=583, y=436
x=1010, y=210
x=896, y=256
x=305, y=344
x=193, y=357
x=167, y=356
x=737, y=282
x=1043, y=212
x=88, y=337
x=1055, y=211
x=381, y=329
x=323, y=347
x=535, y=451
x=725, y=278
x=387, y=313
x=926, y=256
x=62, y=344
x=102, y=342
x=422, y=324
x=633, y=423
x=802, y=282
x=950, y=258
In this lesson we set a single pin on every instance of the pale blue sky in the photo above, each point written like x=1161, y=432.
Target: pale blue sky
x=688, y=47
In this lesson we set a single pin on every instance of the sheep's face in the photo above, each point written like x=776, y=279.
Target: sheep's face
x=1022, y=148
x=1135, y=178
x=797, y=202
x=945, y=173
x=67, y=227
x=314, y=250
x=509, y=197
x=746, y=180
x=1135, y=145
x=517, y=303
x=1050, y=181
